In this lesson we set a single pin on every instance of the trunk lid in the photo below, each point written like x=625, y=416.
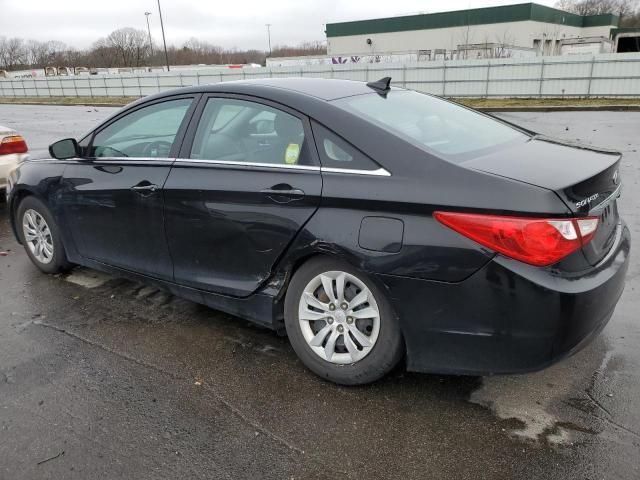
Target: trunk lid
x=586, y=179
x=5, y=132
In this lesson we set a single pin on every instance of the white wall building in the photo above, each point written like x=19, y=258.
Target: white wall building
x=526, y=25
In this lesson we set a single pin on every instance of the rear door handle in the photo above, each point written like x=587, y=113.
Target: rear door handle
x=145, y=188
x=283, y=193
x=294, y=192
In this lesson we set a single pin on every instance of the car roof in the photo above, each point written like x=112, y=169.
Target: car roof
x=310, y=96
x=323, y=88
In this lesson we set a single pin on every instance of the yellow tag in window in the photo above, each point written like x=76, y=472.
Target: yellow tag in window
x=291, y=154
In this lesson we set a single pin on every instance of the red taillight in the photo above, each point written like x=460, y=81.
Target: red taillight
x=13, y=144
x=535, y=241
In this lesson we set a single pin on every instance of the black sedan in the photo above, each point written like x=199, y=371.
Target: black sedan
x=368, y=223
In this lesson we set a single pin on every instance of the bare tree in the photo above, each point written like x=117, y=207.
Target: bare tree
x=464, y=39
x=305, y=48
x=623, y=8
x=504, y=44
x=131, y=46
x=102, y=55
x=73, y=57
x=37, y=52
x=199, y=51
x=128, y=47
x=56, y=54
x=12, y=52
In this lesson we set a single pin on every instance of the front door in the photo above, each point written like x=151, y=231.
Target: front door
x=247, y=182
x=114, y=204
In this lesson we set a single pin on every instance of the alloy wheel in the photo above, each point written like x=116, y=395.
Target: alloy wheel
x=37, y=236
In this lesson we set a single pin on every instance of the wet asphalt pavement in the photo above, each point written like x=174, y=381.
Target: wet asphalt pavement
x=105, y=378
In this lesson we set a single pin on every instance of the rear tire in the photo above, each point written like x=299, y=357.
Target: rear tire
x=40, y=236
x=341, y=324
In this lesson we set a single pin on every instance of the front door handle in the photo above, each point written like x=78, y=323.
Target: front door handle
x=145, y=188
x=283, y=193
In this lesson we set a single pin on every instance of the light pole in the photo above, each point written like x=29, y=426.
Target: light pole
x=164, y=41
x=146, y=14
x=268, y=25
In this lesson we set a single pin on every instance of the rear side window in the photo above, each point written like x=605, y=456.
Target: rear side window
x=336, y=152
x=226, y=113
x=242, y=131
x=433, y=124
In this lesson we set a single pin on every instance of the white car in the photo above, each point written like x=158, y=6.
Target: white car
x=13, y=150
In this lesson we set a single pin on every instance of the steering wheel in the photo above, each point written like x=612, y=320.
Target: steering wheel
x=156, y=149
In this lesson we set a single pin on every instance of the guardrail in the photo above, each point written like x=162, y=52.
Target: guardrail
x=607, y=75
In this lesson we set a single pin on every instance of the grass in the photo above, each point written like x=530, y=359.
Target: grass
x=545, y=102
x=115, y=101
x=479, y=103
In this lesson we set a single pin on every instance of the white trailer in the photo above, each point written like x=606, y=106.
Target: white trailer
x=585, y=46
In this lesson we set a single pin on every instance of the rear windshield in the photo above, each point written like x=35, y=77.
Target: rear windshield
x=433, y=124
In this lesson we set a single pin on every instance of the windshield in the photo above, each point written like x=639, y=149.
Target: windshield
x=433, y=124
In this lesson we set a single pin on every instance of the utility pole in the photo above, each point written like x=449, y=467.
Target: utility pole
x=164, y=41
x=146, y=14
x=268, y=25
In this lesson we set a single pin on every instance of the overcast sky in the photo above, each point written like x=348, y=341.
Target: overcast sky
x=228, y=23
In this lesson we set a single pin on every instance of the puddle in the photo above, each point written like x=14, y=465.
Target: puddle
x=87, y=278
x=509, y=398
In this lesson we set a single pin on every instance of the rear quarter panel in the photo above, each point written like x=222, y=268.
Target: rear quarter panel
x=418, y=185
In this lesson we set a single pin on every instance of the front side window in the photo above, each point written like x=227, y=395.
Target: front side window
x=242, y=131
x=146, y=132
x=433, y=124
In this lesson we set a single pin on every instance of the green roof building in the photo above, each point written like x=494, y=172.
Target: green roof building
x=525, y=25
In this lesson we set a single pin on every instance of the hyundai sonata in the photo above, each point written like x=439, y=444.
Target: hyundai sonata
x=367, y=222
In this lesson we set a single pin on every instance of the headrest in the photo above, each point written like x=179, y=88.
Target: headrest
x=287, y=127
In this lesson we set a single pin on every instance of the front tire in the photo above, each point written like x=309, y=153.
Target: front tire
x=341, y=324
x=40, y=236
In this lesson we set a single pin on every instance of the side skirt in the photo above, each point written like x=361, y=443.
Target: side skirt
x=259, y=308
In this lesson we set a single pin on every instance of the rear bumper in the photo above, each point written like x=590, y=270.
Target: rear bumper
x=5, y=168
x=509, y=317
x=8, y=163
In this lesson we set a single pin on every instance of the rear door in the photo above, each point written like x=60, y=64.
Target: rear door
x=112, y=199
x=247, y=180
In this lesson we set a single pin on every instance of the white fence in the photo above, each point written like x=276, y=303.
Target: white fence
x=607, y=75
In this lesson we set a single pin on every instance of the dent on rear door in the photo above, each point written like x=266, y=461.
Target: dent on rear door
x=224, y=234
x=232, y=210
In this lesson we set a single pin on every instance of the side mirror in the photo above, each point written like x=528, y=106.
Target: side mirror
x=64, y=149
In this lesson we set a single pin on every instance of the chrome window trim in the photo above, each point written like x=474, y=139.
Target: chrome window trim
x=249, y=164
x=127, y=159
x=381, y=172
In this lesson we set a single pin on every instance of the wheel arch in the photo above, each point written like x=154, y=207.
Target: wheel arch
x=385, y=355
x=17, y=196
x=290, y=265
